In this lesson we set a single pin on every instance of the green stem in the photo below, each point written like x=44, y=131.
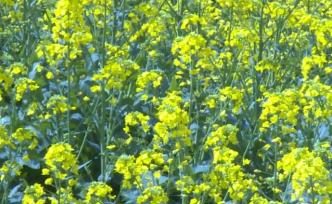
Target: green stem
x=275, y=170
x=83, y=142
x=260, y=57
x=312, y=195
x=114, y=28
x=68, y=100
x=5, y=193
x=184, y=198
x=101, y=126
x=102, y=139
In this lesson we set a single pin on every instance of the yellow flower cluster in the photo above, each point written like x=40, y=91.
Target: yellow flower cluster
x=23, y=141
x=201, y=101
x=17, y=69
x=34, y=195
x=60, y=161
x=25, y=136
x=57, y=104
x=312, y=99
x=135, y=170
x=232, y=95
x=316, y=101
x=267, y=65
x=309, y=176
x=135, y=118
x=240, y=5
x=145, y=78
x=153, y=195
x=190, y=47
x=97, y=192
x=24, y=84
x=9, y=169
x=280, y=107
x=308, y=63
x=191, y=21
x=15, y=75
x=68, y=25
x=5, y=81
x=114, y=74
x=173, y=123
x=240, y=37
x=153, y=29
x=226, y=174
x=4, y=138
x=222, y=136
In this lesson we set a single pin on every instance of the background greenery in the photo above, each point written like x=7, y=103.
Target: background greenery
x=164, y=101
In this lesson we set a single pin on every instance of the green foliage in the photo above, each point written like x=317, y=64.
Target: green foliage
x=165, y=101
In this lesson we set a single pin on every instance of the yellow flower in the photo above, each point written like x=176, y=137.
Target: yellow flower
x=153, y=195
x=111, y=147
x=98, y=191
x=308, y=63
x=173, y=122
x=280, y=107
x=234, y=95
x=95, y=88
x=222, y=136
x=49, y=181
x=17, y=69
x=49, y=75
x=34, y=195
x=145, y=78
x=307, y=171
x=22, y=85
x=86, y=98
x=60, y=160
x=45, y=171
x=25, y=137
x=135, y=118
x=57, y=104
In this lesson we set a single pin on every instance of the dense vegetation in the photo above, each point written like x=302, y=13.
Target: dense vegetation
x=165, y=101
